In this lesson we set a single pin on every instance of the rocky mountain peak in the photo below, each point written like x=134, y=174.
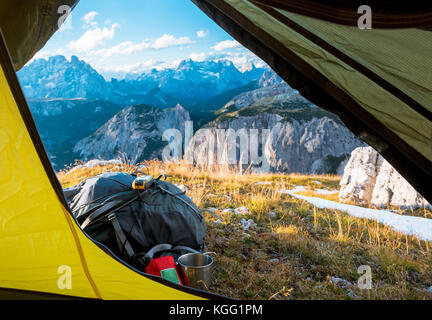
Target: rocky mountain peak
x=136, y=131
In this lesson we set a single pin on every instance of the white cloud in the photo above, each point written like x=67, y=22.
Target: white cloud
x=129, y=47
x=168, y=40
x=41, y=55
x=131, y=68
x=89, y=19
x=126, y=47
x=93, y=38
x=90, y=16
x=227, y=44
x=202, y=33
x=198, y=56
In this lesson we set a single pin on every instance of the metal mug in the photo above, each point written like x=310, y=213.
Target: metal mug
x=195, y=269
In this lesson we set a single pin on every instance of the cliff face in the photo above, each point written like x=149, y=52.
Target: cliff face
x=275, y=125
x=136, y=132
x=370, y=180
x=319, y=145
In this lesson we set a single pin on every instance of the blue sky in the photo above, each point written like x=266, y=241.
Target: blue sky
x=117, y=36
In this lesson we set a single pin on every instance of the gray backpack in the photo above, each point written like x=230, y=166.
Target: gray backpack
x=137, y=225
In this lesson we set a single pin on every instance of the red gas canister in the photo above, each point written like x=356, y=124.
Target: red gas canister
x=164, y=267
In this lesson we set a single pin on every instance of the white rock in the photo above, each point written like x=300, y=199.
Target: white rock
x=341, y=282
x=391, y=188
x=272, y=215
x=182, y=187
x=247, y=224
x=97, y=162
x=370, y=180
x=275, y=260
x=241, y=210
x=228, y=211
x=359, y=176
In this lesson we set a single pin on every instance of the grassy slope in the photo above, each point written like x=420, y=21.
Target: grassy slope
x=311, y=245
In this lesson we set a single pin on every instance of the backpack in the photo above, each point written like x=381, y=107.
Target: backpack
x=137, y=225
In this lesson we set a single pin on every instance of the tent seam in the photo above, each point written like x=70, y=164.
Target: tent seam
x=81, y=254
x=26, y=117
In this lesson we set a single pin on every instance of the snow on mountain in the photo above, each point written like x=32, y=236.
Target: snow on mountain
x=57, y=77
x=188, y=83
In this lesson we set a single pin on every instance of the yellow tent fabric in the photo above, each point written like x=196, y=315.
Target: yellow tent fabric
x=38, y=234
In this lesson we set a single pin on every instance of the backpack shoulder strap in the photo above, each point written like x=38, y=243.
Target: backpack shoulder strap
x=114, y=203
x=122, y=240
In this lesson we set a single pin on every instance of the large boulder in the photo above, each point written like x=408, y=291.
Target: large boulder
x=370, y=180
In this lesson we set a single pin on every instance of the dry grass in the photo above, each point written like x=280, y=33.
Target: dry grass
x=295, y=253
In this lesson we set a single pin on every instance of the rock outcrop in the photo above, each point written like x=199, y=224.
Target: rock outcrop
x=136, y=132
x=289, y=134
x=370, y=180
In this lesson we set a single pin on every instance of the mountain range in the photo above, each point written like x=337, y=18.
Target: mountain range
x=188, y=83
x=81, y=115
